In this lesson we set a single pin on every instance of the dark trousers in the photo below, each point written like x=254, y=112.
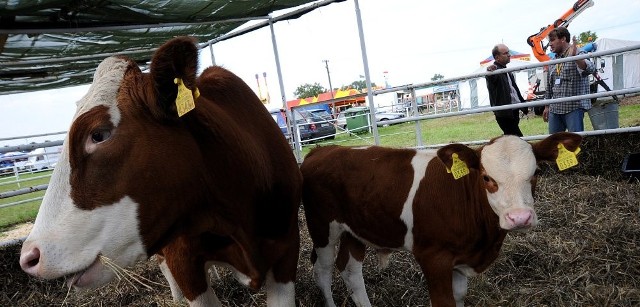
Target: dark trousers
x=509, y=125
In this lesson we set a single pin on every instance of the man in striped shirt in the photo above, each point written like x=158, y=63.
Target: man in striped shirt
x=566, y=80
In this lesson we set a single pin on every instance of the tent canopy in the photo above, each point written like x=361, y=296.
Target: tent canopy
x=47, y=44
x=622, y=70
x=474, y=93
x=515, y=55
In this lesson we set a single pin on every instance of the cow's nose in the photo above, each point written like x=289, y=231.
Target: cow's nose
x=519, y=218
x=30, y=260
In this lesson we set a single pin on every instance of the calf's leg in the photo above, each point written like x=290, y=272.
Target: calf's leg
x=176, y=294
x=323, y=255
x=460, y=286
x=437, y=268
x=349, y=263
x=192, y=282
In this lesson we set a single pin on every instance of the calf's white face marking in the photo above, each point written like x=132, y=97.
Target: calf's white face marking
x=67, y=240
x=510, y=162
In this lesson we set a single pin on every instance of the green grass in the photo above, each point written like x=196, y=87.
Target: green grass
x=24, y=212
x=434, y=131
x=464, y=128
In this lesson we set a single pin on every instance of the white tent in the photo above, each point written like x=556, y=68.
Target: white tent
x=474, y=93
x=620, y=70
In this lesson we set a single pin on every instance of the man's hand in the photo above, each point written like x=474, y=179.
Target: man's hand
x=545, y=114
x=492, y=67
x=573, y=48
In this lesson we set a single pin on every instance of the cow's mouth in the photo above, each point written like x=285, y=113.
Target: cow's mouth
x=86, y=277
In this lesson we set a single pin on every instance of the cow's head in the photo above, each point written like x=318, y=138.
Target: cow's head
x=507, y=166
x=128, y=163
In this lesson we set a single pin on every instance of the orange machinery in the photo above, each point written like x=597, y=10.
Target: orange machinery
x=540, y=49
x=536, y=40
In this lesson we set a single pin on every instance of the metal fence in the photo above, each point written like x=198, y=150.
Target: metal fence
x=22, y=165
x=408, y=104
x=414, y=114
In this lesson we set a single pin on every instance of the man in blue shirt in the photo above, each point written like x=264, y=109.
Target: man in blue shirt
x=566, y=80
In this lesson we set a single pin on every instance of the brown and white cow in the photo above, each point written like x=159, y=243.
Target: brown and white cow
x=218, y=185
x=404, y=199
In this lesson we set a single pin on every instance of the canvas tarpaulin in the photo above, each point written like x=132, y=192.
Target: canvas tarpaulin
x=621, y=70
x=49, y=44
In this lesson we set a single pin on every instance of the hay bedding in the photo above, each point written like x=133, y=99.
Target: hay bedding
x=585, y=252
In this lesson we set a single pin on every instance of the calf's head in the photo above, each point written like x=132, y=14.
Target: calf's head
x=128, y=163
x=507, y=167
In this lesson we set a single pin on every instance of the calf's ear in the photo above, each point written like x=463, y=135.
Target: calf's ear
x=467, y=155
x=547, y=149
x=177, y=58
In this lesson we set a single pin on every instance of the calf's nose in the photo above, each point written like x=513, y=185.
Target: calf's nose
x=30, y=260
x=519, y=218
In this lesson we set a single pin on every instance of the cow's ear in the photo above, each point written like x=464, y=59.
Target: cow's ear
x=547, y=149
x=176, y=59
x=467, y=155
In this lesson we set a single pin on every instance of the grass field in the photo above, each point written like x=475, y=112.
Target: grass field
x=466, y=128
x=435, y=131
x=26, y=211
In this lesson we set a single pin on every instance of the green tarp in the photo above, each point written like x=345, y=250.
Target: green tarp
x=50, y=44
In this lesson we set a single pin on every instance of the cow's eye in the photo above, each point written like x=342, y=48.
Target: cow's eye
x=100, y=136
x=486, y=178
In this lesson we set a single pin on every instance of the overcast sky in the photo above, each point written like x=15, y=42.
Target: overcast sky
x=410, y=39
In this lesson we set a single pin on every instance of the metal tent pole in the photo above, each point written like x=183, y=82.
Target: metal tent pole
x=365, y=63
x=213, y=59
x=298, y=148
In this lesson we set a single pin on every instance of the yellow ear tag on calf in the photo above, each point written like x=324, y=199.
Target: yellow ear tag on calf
x=459, y=169
x=566, y=158
x=184, y=101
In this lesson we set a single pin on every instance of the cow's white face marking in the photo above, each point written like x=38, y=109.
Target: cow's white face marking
x=68, y=240
x=510, y=162
x=104, y=89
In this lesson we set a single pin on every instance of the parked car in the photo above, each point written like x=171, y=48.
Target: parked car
x=315, y=124
x=12, y=159
x=382, y=116
x=43, y=158
x=280, y=116
x=312, y=123
x=341, y=120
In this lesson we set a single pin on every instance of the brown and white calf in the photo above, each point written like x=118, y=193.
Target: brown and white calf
x=218, y=185
x=404, y=199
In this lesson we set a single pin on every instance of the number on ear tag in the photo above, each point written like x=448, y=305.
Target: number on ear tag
x=459, y=169
x=184, y=100
x=566, y=158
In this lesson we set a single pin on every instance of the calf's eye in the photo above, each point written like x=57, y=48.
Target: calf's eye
x=100, y=136
x=486, y=178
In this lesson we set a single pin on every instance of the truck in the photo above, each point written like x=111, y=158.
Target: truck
x=43, y=158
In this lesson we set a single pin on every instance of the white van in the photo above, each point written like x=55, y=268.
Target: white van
x=43, y=158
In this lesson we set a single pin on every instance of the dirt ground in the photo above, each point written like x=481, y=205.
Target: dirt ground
x=16, y=232
x=585, y=252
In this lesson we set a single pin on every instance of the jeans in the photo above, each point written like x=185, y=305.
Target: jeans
x=572, y=121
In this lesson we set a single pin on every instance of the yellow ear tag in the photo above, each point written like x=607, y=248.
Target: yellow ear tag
x=458, y=168
x=566, y=158
x=184, y=101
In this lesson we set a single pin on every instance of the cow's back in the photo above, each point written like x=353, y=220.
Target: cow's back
x=381, y=193
x=331, y=175
x=247, y=156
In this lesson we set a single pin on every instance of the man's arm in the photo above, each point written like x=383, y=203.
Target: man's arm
x=491, y=78
x=585, y=67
